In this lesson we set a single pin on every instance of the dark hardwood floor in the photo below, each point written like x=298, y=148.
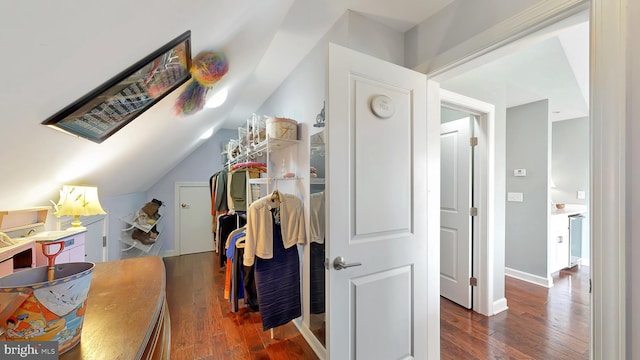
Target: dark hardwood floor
x=203, y=325
x=541, y=323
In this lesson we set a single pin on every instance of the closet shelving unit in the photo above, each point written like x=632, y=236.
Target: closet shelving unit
x=133, y=247
x=258, y=152
x=261, y=151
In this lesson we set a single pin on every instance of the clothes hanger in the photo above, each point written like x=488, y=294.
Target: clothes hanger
x=233, y=233
x=240, y=242
x=275, y=195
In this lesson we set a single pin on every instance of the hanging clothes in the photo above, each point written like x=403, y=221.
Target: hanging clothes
x=212, y=192
x=237, y=183
x=259, y=240
x=278, y=283
x=246, y=276
x=221, y=191
x=242, y=285
x=237, y=194
x=229, y=250
x=275, y=224
x=226, y=224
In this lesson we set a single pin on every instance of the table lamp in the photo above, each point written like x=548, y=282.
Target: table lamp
x=78, y=201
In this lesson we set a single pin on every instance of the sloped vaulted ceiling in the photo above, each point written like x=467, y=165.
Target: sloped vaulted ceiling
x=54, y=52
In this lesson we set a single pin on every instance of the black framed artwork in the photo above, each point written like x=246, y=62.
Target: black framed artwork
x=112, y=105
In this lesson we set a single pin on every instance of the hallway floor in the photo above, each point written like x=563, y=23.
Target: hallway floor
x=540, y=323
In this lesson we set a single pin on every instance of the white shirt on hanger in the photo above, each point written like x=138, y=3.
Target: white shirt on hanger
x=259, y=239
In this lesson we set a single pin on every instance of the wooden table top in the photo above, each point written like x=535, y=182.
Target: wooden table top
x=125, y=300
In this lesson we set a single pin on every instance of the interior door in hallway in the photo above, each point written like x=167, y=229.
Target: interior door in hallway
x=195, y=220
x=377, y=209
x=455, y=204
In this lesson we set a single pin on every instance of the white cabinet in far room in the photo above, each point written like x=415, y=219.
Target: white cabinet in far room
x=73, y=250
x=558, y=243
x=559, y=239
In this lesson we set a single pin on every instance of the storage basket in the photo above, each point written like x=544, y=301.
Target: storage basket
x=282, y=128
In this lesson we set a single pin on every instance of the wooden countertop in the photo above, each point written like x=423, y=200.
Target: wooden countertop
x=125, y=304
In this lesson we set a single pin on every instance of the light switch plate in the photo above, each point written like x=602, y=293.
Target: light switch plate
x=519, y=172
x=581, y=195
x=515, y=196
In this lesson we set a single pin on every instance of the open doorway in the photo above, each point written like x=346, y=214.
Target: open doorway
x=549, y=75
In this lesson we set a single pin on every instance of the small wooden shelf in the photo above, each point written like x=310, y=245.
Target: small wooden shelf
x=11, y=220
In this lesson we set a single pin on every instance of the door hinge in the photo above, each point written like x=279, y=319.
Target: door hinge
x=473, y=211
x=473, y=281
x=104, y=241
x=326, y=263
x=473, y=141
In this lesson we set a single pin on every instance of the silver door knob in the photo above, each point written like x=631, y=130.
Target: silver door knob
x=340, y=264
x=184, y=206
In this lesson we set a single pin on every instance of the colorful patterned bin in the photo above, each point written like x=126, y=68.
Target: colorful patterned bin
x=34, y=309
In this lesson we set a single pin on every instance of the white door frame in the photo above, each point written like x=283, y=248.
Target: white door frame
x=608, y=117
x=484, y=169
x=176, y=211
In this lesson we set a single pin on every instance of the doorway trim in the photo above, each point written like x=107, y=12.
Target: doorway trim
x=608, y=116
x=483, y=302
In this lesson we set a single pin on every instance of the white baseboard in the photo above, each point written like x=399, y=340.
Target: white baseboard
x=168, y=253
x=499, y=306
x=534, y=279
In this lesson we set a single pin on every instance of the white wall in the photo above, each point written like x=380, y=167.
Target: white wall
x=369, y=37
x=570, y=169
x=570, y=160
x=197, y=167
x=118, y=207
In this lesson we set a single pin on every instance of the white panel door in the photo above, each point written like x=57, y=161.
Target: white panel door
x=195, y=218
x=455, y=202
x=376, y=201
